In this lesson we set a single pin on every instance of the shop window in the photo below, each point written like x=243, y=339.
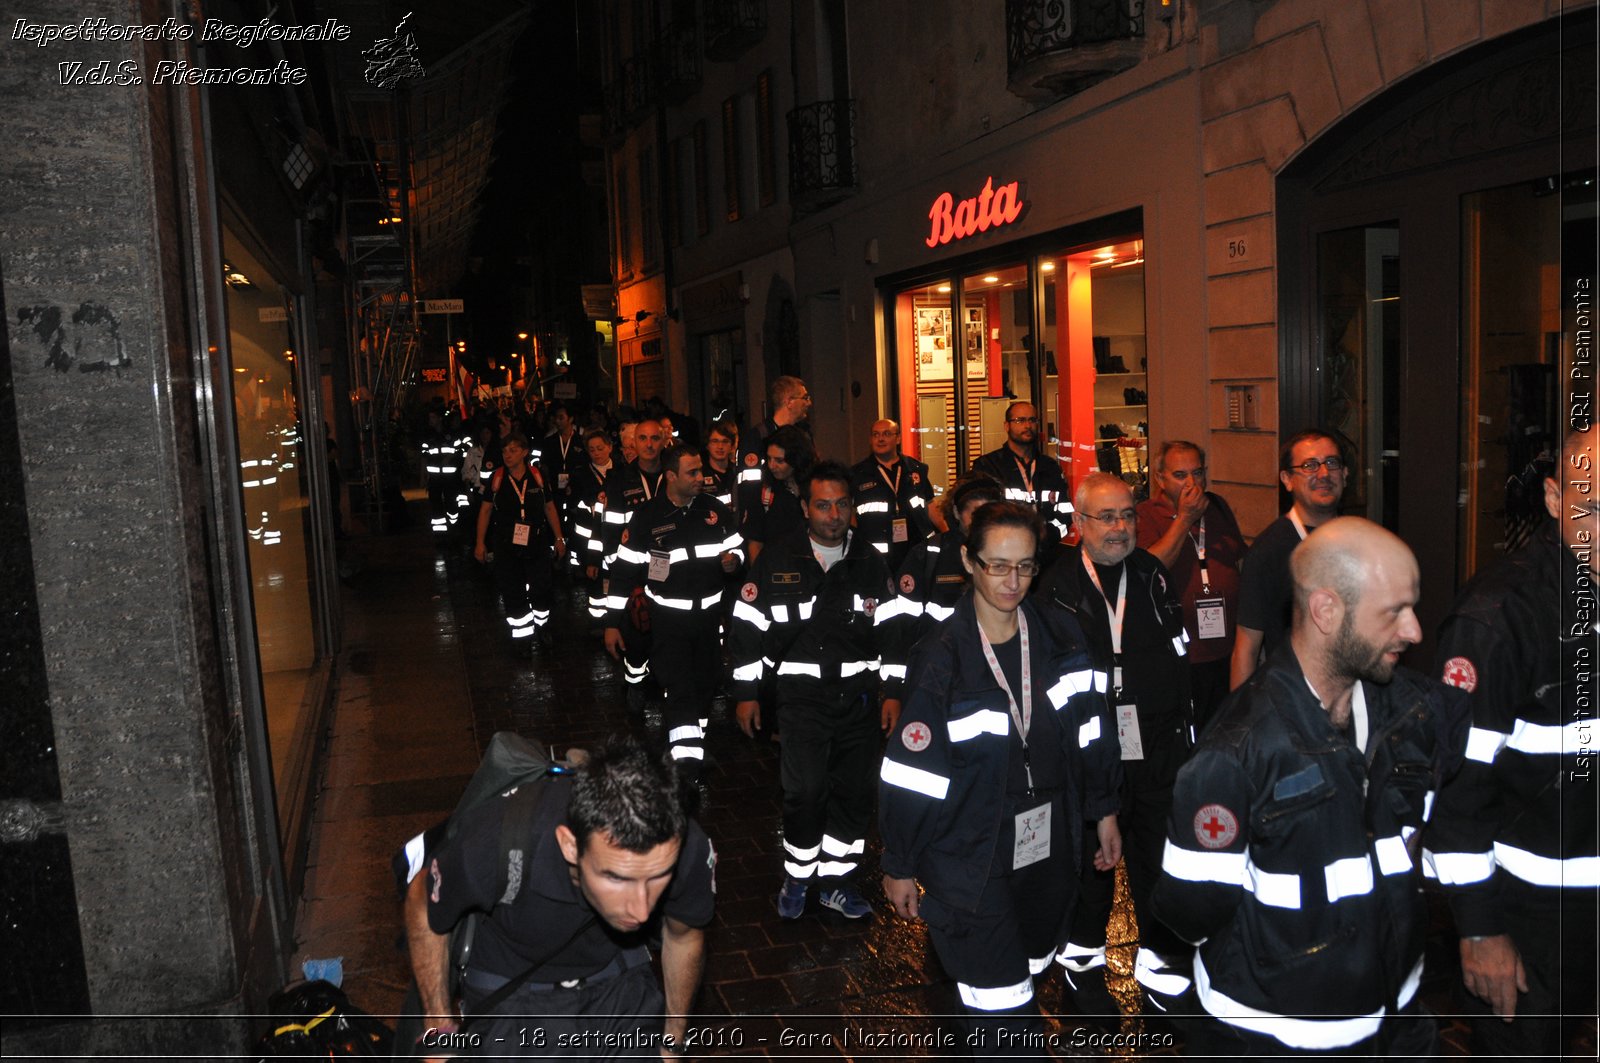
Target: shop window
x=273, y=486
x=1095, y=367
x=994, y=352
x=930, y=418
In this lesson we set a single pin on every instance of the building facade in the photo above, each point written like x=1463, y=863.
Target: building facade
x=1221, y=221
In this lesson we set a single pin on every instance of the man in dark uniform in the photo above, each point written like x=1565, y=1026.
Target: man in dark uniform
x=769, y=505
x=1311, y=468
x=586, y=486
x=791, y=405
x=1514, y=838
x=1192, y=531
x=626, y=490
x=807, y=613
x=892, y=496
x=929, y=584
x=1031, y=477
x=1123, y=601
x=609, y=859
x=518, y=523
x=679, y=549
x=1291, y=848
x=561, y=455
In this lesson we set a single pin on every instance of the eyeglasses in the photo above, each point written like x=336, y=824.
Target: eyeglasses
x=1127, y=516
x=1311, y=465
x=1026, y=569
x=1023, y=420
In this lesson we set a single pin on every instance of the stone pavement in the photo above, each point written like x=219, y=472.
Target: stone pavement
x=427, y=675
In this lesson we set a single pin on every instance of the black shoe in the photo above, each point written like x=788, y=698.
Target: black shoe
x=1118, y=365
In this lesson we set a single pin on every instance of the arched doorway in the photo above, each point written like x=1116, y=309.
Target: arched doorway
x=1428, y=246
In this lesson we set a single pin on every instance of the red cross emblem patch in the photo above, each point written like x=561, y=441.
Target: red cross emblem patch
x=751, y=459
x=915, y=736
x=1215, y=827
x=908, y=583
x=869, y=606
x=748, y=592
x=711, y=516
x=1459, y=672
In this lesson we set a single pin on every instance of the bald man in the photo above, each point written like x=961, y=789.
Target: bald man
x=892, y=496
x=1291, y=854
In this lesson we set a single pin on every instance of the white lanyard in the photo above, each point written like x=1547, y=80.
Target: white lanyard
x=565, y=447
x=644, y=482
x=1023, y=715
x=1299, y=525
x=895, y=485
x=521, y=488
x=1116, y=615
x=1200, y=552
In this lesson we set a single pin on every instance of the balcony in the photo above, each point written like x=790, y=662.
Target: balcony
x=678, y=62
x=733, y=26
x=1055, y=48
x=638, y=88
x=822, y=153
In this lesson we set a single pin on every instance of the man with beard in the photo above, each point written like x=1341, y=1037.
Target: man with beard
x=1029, y=477
x=1291, y=855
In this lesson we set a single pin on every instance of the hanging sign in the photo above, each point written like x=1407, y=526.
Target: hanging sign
x=989, y=209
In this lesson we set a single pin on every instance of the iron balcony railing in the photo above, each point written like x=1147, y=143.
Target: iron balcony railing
x=1058, y=47
x=678, y=61
x=822, y=153
x=732, y=26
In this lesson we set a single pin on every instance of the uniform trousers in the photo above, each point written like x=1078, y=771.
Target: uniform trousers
x=829, y=768
x=1556, y=940
x=686, y=658
x=1146, y=803
x=997, y=951
x=523, y=577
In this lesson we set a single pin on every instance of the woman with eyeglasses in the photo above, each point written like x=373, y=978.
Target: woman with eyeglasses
x=1004, y=755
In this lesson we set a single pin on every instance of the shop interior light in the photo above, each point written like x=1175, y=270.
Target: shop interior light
x=1047, y=266
x=944, y=288
x=240, y=369
x=522, y=335
x=991, y=279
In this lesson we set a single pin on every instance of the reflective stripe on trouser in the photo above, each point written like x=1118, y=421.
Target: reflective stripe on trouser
x=685, y=658
x=523, y=579
x=827, y=764
x=995, y=950
x=1152, y=972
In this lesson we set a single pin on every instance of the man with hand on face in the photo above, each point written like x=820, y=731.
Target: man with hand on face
x=609, y=860
x=1291, y=849
x=679, y=548
x=892, y=495
x=1123, y=602
x=1514, y=840
x=1030, y=477
x=1192, y=532
x=808, y=613
x=626, y=490
x=1311, y=468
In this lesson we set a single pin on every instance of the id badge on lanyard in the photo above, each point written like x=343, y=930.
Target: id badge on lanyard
x=1128, y=737
x=1210, y=614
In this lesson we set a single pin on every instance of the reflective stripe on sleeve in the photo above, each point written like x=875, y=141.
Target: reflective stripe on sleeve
x=747, y=673
x=1457, y=869
x=914, y=779
x=780, y=613
x=1393, y=857
x=743, y=610
x=1272, y=887
x=1483, y=744
x=414, y=855
x=939, y=612
x=1191, y=865
x=1539, y=870
x=1575, y=737
x=1088, y=732
x=984, y=721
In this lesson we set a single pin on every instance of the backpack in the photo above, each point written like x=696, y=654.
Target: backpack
x=511, y=763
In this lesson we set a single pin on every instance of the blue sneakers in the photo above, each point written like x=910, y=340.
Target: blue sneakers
x=847, y=902
x=792, y=898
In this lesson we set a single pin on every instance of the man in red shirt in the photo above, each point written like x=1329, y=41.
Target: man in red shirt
x=1192, y=531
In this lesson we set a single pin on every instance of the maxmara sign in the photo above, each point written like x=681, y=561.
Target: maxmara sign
x=989, y=209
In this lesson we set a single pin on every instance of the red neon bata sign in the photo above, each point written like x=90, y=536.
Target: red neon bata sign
x=989, y=209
